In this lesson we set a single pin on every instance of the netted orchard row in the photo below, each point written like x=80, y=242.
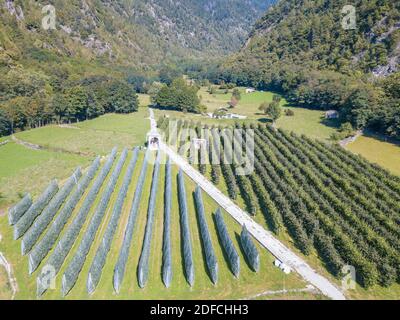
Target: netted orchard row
x=220, y=153
x=66, y=223
x=327, y=199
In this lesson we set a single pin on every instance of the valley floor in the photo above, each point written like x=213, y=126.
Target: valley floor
x=65, y=148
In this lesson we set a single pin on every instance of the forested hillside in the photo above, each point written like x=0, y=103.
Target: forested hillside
x=311, y=33
x=138, y=33
x=301, y=49
x=101, y=49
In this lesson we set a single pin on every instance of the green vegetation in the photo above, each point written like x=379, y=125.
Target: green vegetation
x=64, y=148
x=292, y=50
x=248, y=285
x=377, y=150
x=304, y=121
x=101, y=52
x=272, y=109
x=331, y=203
x=92, y=137
x=178, y=96
x=18, y=162
x=71, y=103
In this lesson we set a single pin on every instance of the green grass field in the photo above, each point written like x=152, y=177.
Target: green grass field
x=386, y=154
x=248, y=285
x=304, y=121
x=93, y=137
x=24, y=170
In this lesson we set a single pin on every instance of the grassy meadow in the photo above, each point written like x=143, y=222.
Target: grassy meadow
x=377, y=150
x=93, y=137
x=304, y=121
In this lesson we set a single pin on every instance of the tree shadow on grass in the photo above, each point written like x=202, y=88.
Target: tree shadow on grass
x=265, y=120
x=331, y=123
x=381, y=137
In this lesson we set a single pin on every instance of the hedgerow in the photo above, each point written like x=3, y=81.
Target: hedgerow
x=250, y=250
x=143, y=267
x=74, y=268
x=227, y=244
x=43, y=247
x=65, y=244
x=167, y=260
x=119, y=270
x=15, y=213
x=185, y=230
x=35, y=210
x=105, y=245
x=41, y=223
x=211, y=260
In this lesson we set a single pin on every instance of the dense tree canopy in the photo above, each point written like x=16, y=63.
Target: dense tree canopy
x=33, y=101
x=178, y=96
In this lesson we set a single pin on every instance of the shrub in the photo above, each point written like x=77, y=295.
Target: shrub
x=143, y=268
x=74, y=268
x=48, y=214
x=29, y=217
x=211, y=260
x=227, y=244
x=43, y=247
x=185, y=230
x=250, y=250
x=102, y=252
x=65, y=244
x=167, y=263
x=289, y=113
x=119, y=270
x=16, y=212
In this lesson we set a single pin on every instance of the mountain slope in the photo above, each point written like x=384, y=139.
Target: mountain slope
x=301, y=49
x=304, y=32
x=132, y=32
